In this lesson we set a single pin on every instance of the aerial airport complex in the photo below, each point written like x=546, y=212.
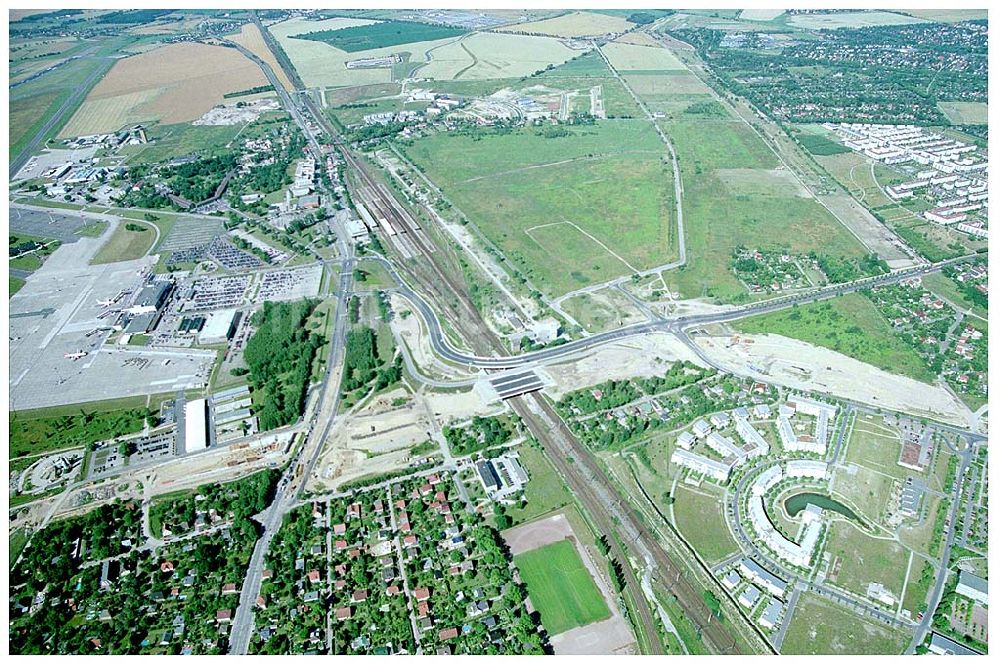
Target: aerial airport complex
x=498, y=331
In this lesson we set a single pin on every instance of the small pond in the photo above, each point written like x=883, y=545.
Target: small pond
x=796, y=503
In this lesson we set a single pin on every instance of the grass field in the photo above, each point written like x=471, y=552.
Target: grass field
x=38, y=431
x=876, y=446
x=761, y=14
x=820, y=627
x=560, y=587
x=14, y=286
x=670, y=86
x=866, y=491
x=849, y=324
x=948, y=15
x=566, y=220
x=854, y=173
x=322, y=65
x=169, y=141
x=921, y=577
x=632, y=57
x=495, y=56
x=850, y=20
x=700, y=520
x=33, y=103
x=964, y=113
x=174, y=83
x=946, y=288
x=574, y=24
x=866, y=559
x=125, y=244
x=587, y=64
x=545, y=491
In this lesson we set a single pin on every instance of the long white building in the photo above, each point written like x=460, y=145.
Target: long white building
x=717, y=470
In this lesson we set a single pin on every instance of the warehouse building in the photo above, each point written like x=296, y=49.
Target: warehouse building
x=196, y=425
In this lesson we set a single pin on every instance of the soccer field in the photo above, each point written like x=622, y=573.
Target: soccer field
x=560, y=587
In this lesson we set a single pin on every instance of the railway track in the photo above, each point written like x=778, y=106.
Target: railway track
x=573, y=461
x=578, y=465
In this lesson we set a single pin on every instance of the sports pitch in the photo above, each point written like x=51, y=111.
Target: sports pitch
x=560, y=587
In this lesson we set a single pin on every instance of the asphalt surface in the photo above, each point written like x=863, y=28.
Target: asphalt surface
x=297, y=474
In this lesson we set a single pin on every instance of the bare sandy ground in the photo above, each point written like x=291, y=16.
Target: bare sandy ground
x=643, y=356
x=608, y=637
x=812, y=368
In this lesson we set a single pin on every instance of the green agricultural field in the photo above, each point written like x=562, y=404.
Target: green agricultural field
x=125, y=244
x=568, y=211
x=820, y=627
x=849, y=324
x=588, y=64
x=560, y=587
x=700, y=520
x=381, y=35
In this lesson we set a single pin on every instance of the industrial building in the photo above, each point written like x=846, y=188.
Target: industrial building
x=196, y=425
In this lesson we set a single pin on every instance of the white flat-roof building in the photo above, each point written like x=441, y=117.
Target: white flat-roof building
x=196, y=425
x=806, y=468
x=718, y=470
x=752, y=438
x=723, y=446
x=701, y=428
x=749, y=597
x=753, y=571
x=686, y=440
x=767, y=479
x=771, y=616
x=973, y=587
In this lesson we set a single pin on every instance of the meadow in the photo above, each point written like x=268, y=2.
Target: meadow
x=126, y=244
x=866, y=559
x=725, y=208
x=573, y=24
x=561, y=588
x=850, y=20
x=822, y=627
x=848, y=324
x=494, y=56
x=699, y=518
x=965, y=113
x=568, y=211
